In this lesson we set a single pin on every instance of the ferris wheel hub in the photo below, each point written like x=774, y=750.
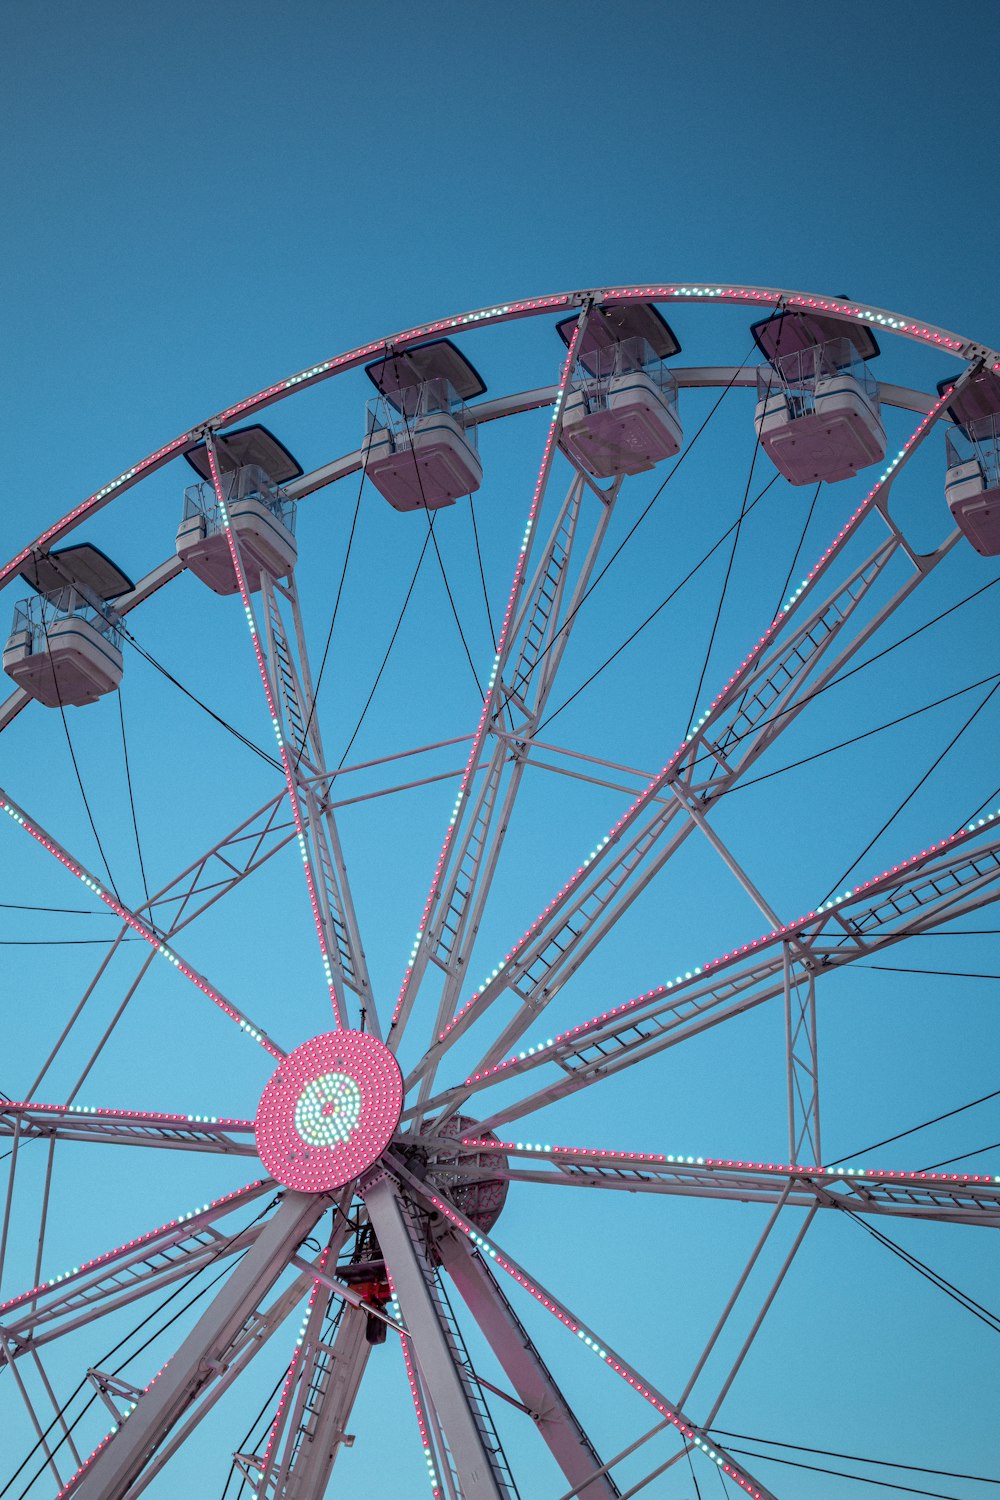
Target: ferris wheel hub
x=329, y=1111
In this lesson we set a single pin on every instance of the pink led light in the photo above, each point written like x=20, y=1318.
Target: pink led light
x=491, y=695
x=38, y=834
x=777, y=935
x=140, y=1117
x=252, y=1190
x=293, y=793
x=418, y=1408
x=329, y=1111
x=607, y=1357
x=714, y=1163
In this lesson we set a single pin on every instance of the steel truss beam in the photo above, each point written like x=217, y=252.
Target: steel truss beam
x=309, y=1425
x=950, y=1198
x=801, y=1065
x=528, y=625
x=291, y=687
x=450, y=1385
x=119, y=1276
x=204, y=1353
x=526, y=674
x=525, y=1369
x=803, y=649
x=959, y=875
x=670, y=1410
x=124, y=1127
x=137, y=924
x=258, y=1329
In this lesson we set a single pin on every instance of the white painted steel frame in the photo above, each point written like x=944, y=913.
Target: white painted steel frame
x=765, y=695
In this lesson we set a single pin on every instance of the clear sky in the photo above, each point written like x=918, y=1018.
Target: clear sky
x=199, y=200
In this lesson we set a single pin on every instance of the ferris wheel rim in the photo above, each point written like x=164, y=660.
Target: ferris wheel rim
x=515, y=311
x=721, y=294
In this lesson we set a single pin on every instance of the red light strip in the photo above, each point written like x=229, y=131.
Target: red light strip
x=491, y=692
x=605, y=1354
x=20, y=817
x=638, y=1158
x=422, y=1423
x=286, y=1388
x=195, y=1217
x=293, y=794
x=888, y=878
x=132, y=1116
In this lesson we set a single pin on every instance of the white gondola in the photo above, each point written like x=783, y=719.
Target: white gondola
x=818, y=415
x=621, y=417
x=972, y=483
x=263, y=518
x=417, y=452
x=64, y=648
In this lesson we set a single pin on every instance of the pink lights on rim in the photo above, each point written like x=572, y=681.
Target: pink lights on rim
x=502, y=646
x=502, y=312
x=606, y=1356
x=131, y=920
x=329, y=1111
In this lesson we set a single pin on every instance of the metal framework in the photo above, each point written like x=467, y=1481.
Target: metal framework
x=419, y=1219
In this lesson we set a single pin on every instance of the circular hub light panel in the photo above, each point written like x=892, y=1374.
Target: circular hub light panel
x=329, y=1111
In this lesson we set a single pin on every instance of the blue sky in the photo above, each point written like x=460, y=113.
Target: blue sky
x=200, y=201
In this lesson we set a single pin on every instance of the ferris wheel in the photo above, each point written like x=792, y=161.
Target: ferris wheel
x=393, y=1130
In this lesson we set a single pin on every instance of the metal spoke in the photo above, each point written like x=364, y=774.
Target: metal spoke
x=793, y=660
x=604, y=1352
x=124, y=1454
x=290, y=716
x=136, y=923
x=525, y=1368
x=954, y=1198
x=467, y=827
x=436, y=1345
x=950, y=879
x=123, y=1127
x=119, y=1276
x=526, y=674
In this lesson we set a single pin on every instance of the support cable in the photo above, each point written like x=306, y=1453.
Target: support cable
x=645, y=512
x=861, y=667
x=164, y=672
x=482, y=576
x=661, y=606
x=791, y=570
x=914, y=790
x=950, y=1160
x=131, y=798
x=856, y=1458
x=963, y=1299
x=392, y=641
x=884, y=1484
x=454, y=610
x=855, y=739
x=725, y=582
x=333, y=617
x=889, y=1139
